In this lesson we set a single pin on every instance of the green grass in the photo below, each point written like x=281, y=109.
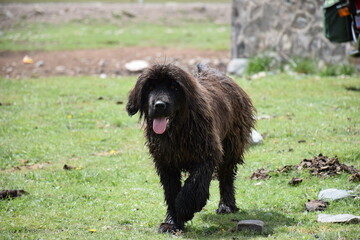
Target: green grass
x=98, y=34
x=115, y=190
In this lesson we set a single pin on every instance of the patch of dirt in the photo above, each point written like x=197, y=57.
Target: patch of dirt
x=25, y=166
x=107, y=62
x=103, y=61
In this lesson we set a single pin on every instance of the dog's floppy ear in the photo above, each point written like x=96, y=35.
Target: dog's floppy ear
x=132, y=106
x=135, y=96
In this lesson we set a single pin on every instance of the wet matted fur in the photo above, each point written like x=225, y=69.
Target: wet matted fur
x=194, y=123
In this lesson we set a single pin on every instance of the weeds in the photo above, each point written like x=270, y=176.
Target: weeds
x=307, y=66
x=258, y=64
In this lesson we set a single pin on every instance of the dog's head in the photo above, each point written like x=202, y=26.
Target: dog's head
x=161, y=94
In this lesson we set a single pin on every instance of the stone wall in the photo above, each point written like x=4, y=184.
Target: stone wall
x=289, y=28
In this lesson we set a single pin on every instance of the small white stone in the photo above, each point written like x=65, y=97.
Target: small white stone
x=103, y=76
x=237, y=66
x=136, y=65
x=256, y=137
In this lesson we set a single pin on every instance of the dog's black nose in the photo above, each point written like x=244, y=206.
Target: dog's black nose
x=160, y=105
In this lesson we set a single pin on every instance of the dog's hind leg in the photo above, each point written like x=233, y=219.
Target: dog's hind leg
x=226, y=175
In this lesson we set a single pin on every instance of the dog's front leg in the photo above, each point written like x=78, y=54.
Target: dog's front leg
x=195, y=192
x=171, y=182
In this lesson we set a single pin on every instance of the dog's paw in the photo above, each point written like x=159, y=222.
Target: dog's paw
x=169, y=228
x=223, y=208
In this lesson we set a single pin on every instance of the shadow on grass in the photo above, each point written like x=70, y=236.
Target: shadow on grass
x=225, y=225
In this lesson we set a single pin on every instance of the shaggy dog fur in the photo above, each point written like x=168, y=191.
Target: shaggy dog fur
x=194, y=123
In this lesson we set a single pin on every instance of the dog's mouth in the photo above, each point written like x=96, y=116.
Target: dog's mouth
x=160, y=124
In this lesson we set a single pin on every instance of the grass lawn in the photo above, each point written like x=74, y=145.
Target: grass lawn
x=49, y=122
x=97, y=34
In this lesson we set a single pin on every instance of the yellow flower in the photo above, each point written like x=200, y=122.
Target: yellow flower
x=92, y=230
x=70, y=116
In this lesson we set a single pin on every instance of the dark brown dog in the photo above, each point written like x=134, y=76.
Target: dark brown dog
x=197, y=124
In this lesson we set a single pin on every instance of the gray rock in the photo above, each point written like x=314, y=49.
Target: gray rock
x=102, y=63
x=60, y=69
x=9, y=14
x=256, y=137
x=252, y=225
x=9, y=69
x=136, y=65
x=340, y=218
x=39, y=64
x=237, y=66
x=333, y=194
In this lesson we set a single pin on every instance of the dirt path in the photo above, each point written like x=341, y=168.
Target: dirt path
x=106, y=61
x=103, y=61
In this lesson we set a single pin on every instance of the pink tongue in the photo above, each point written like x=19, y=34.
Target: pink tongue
x=159, y=125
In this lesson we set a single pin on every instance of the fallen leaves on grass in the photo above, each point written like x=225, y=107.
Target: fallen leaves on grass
x=316, y=205
x=7, y=194
x=68, y=167
x=285, y=169
x=355, y=177
x=295, y=181
x=260, y=174
x=322, y=166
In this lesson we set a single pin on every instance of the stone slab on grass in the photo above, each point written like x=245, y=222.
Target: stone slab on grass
x=250, y=225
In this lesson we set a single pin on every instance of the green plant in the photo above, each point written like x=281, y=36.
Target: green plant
x=347, y=70
x=258, y=64
x=329, y=70
x=304, y=65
